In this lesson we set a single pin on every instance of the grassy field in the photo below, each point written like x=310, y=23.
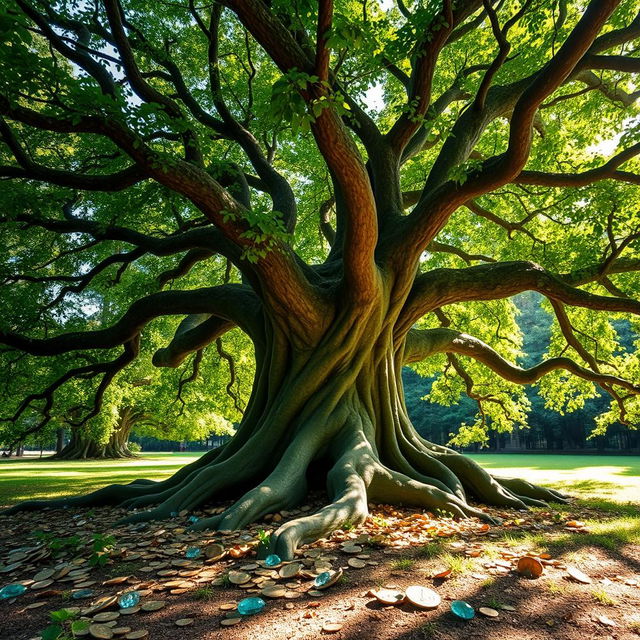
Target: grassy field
x=595, y=477
x=615, y=478
x=43, y=478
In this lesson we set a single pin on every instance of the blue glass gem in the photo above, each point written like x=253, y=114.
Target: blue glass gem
x=192, y=552
x=127, y=600
x=11, y=591
x=322, y=579
x=193, y=519
x=82, y=593
x=174, y=514
x=251, y=606
x=462, y=609
x=272, y=561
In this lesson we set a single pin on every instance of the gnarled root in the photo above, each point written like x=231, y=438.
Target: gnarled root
x=526, y=489
x=391, y=486
x=347, y=483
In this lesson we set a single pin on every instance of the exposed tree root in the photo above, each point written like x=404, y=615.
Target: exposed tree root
x=531, y=491
x=400, y=467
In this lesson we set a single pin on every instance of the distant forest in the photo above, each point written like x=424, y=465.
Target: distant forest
x=547, y=430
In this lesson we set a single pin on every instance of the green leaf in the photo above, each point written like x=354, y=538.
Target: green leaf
x=52, y=632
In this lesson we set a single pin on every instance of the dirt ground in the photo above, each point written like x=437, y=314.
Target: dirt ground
x=394, y=549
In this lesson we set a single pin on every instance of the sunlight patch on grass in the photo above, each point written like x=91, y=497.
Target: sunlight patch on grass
x=458, y=564
x=584, y=476
x=42, y=479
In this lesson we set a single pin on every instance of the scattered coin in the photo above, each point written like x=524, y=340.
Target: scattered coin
x=239, y=577
x=422, y=597
x=290, y=570
x=274, y=592
x=388, y=596
x=578, y=575
x=101, y=631
x=106, y=616
x=184, y=622
x=229, y=622
x=530, y=567
x=41, y=584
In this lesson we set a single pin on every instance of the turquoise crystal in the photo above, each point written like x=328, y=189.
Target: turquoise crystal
x=193, y=519
x=82, y=593
x=272, y=561
x=251, y=606
x=128, y=600
x=322, y=579
x=11, y=591
x=192, y=552
x=462, y=609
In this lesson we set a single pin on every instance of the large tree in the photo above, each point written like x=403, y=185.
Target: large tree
x=453, y=153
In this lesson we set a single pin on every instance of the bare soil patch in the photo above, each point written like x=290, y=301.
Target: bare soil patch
x=395, y=549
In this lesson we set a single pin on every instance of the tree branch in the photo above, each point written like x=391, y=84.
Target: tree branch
x=336, y=146
x=422, y=343
x=607, y=170
x=228, y=302
x=325, y=15
x=442, y=287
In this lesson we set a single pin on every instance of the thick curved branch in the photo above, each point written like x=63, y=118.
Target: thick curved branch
x=426, y=53
x=81, y=281
x=140, y=86
x=292, y=295
x=203, y=238
x=507, y=166
x=504, y=46
x=228, y=302
x=441, y=287
x=335, y=144
x=440, y=247
x=520, y=102
x=190, y=259
x=194, y=334
x=109, y=182
x=325, y=16
x=626, y=64
x=76, y=54
x=610, y=90
x=425, y=342
x=275, y=183
x=108, y=370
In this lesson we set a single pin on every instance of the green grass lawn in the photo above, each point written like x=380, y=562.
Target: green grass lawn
x=45, y=478
x=614, y=478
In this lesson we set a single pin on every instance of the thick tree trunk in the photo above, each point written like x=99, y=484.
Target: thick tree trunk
x=82, y=447
x=341, y=408
x=59, y=440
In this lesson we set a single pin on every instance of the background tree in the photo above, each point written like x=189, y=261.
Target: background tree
x=222, y=136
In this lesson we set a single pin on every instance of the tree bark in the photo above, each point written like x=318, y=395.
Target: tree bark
x=59, y=440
